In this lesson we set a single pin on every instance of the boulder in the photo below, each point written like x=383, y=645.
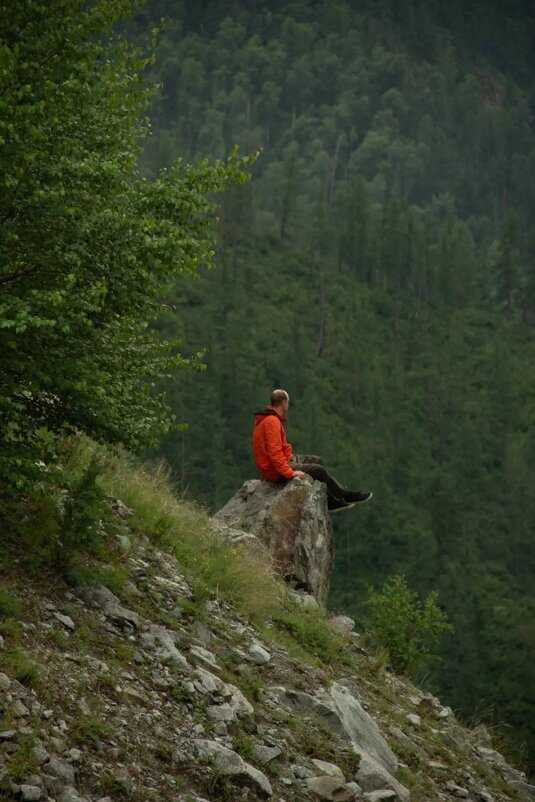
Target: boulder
x=330, y=789
x=330, y=769
x=160, y=640
x=524, y=790
x=343, y=714
x=372, y=776
x=109, y=604
x=230, y=764
x=292, y=521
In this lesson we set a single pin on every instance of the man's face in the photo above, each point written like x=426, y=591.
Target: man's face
x=286, y=405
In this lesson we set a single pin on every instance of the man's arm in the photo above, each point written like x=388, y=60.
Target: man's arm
x=272, y=428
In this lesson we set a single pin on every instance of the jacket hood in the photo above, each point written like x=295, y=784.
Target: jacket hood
x=264, y=413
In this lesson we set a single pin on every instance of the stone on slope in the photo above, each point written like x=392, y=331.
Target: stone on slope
x=235, y=703
x=265, y=754
x=71, y=795
x=30, y=793
x=259, y=654
x=160, y=640
x=524, y=790
x=330, y=789
x=293, y=522
x=343, y=714
x=328, y=768
x=237, y=537
x=66, y=620
x=230, y=764
x=62, y=770
x=371, y=776
x=109, y=604
x=342, y=624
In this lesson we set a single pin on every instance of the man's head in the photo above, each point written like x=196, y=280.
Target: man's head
x=280, y=400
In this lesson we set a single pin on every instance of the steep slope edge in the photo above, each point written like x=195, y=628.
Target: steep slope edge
x=156, y=692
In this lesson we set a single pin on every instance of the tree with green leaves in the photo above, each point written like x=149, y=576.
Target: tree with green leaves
x=88, y=246
x=405, y=626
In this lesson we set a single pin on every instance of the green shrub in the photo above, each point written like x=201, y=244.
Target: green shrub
x=111, y=784
x=11, y=629
x=244, y=745
x=89, y=729
x=311, y=631
x=20, y=666
x=404, y=625
x=82, y=512
x=62, y=518
x=22, y=762
x=9, y=605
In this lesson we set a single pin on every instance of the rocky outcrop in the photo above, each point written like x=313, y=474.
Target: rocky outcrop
x=230, y=764
x=150, y=696
x=292, y=522
x=341, y=712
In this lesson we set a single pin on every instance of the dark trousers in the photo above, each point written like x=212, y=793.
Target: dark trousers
x=315, y=467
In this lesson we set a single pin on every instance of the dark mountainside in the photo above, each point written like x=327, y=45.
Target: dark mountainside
x=375, y=258
x=380, y=265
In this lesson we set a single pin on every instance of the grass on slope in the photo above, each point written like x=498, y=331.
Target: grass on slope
x=69, y=528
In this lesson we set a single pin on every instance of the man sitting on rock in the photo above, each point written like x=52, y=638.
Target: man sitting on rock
x=276, y=461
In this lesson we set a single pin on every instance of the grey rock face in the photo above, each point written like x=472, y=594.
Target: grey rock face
x=342, y=624
x=491, y=755
x=61, y=770
x=160, y=640
x=330, y=789
x=293, y=522
x=265, y=754
x=372, y=776
x=457, y=790
x=71, y=795
x=5, y=682
x=258, y=654
x=109, y=604
x=524, y=790
x=344, y=715
x=30, y=793
x=235, y=704
x=231, y=765
x=304, y=600
x=238, y=537
x=222, y=712
x=66, y=620
x=329, y=769
x=454, y=736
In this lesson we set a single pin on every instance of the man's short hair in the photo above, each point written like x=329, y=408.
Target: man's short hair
x=278, y=396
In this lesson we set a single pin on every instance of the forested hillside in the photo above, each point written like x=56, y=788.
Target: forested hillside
x=380, y=267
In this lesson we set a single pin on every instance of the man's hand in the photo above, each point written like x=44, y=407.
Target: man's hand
x=300, y=474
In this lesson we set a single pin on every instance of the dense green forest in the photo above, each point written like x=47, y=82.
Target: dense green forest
x=380, y=266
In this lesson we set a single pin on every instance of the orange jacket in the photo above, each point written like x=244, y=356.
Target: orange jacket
x=272, y=452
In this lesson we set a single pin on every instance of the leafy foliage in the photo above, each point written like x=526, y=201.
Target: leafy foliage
x=87, y=245
x=405, y=626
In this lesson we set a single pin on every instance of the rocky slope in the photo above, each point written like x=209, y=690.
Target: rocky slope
x=150, y=693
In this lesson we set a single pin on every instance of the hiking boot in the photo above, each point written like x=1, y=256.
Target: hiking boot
x=336, y=506
x=357, y=496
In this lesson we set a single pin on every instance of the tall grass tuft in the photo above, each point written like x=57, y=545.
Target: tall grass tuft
x=216, y=567
x=9, y=604
x=312, y=632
